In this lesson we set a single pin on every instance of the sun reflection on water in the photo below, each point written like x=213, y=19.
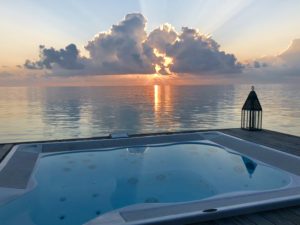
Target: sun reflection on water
x=163, y=106
x=157, y=98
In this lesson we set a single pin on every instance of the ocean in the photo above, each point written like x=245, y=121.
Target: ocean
x=49, y=113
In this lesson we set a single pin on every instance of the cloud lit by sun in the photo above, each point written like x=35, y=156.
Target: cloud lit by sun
x=166, y=63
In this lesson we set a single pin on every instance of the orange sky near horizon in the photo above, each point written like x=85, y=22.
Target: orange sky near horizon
x=118, y=80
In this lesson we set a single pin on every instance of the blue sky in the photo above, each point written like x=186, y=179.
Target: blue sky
x=266, y=25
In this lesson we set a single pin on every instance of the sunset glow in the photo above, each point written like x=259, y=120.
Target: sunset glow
x=77, y=41
x=157, y=98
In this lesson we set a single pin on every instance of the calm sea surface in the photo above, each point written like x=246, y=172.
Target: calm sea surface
x=69, y=112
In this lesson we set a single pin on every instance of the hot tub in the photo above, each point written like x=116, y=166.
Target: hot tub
x=183, y=177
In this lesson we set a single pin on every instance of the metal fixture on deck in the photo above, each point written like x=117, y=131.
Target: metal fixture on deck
x=251, y=118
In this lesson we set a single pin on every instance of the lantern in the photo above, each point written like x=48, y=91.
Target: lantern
x=251, y=118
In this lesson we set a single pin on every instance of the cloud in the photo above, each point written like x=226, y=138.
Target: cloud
x=127, y=49
x=283, y=65
x=292, y=55
x=196, y=54
x=123, y=50
x=257, y=64
x=162, y=37
x=67, y=58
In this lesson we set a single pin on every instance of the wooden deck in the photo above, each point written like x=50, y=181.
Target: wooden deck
x=284, y=142
x=280, y=141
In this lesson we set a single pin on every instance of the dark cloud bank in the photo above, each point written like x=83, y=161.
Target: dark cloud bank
x=67, y=58
x=127, y=49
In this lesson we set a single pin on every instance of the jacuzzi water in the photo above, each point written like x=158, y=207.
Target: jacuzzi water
x=73, y=188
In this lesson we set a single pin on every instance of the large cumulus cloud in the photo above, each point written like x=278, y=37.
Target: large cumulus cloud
x=123, y=49
x=127, y=49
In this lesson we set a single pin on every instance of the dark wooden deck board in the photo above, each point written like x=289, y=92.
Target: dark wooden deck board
x=283, y=142
x=277, y=219
x=258, y=219
x=226, y=222
x=242, y=220
x=286, y=214
x=295, y=210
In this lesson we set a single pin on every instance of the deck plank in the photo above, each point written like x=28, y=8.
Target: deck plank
x=295, y=210
x=277, y=219
x=205, y=223
x=243, y=220
x=226, y=222
x=258, y=219
x=288, y=215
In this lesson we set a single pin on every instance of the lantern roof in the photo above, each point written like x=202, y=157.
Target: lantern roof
x=252, y=102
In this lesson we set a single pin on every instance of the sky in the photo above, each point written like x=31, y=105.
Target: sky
x=54, y=41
